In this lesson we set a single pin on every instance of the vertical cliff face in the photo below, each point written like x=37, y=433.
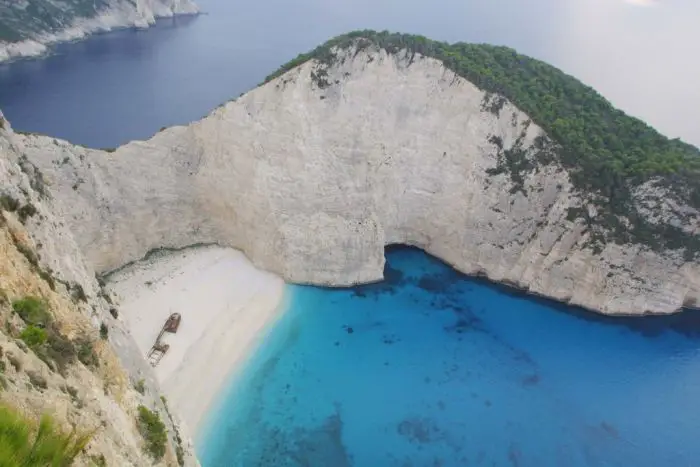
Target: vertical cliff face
x=86, y=372
x=26, y=28
x=313, y=173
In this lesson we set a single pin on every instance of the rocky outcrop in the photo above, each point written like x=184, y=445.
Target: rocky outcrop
x=313, y=173
x=93, y=378
x=27, y=28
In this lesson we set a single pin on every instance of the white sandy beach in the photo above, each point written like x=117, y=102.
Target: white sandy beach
x=225, y=303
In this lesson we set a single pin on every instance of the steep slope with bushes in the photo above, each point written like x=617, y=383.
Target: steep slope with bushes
x=68, y=367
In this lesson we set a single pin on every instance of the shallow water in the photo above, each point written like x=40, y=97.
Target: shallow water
x=433, y=368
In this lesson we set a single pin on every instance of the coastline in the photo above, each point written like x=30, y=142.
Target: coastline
x=225, y=304
x=242, y=185
x=108, y=20
x=206, y=434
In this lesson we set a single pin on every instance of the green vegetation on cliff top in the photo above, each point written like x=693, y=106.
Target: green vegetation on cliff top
x=23, y=20
x=607, y=152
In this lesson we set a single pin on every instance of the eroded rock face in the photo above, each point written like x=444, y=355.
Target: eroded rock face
x=312, y=177
x=40, y=258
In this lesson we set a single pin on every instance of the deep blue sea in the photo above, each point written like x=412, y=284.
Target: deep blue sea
x=428, y=368
x=125, y=85
x=432, y=368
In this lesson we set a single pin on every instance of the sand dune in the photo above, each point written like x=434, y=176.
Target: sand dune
x=225, y=304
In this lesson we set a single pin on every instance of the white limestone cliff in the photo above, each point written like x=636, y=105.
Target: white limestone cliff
x=312, y=183
x=39, y=257
x=78, y=20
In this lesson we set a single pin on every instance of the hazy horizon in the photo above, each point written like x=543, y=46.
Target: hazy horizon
x=636, y=53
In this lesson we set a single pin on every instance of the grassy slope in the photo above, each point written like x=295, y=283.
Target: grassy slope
x=26, y=443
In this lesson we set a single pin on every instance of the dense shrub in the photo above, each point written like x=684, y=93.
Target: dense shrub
x=104, y=331
x=153, y=431
x=33, y=336
x=33, y=311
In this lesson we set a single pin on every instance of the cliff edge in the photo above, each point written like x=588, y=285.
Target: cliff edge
x=500, y=165
x=64, y=350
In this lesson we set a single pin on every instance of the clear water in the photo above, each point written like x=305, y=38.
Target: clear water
x=432, y=368
x=429, y=367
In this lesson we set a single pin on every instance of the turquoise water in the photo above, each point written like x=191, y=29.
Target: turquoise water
x=431, y=368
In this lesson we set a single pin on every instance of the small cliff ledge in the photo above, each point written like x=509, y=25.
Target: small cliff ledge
x=498, y=164
x=27, y=27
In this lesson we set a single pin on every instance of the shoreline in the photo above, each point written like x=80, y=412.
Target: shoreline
x=226, y=304
x=205, y=430
x=107, y=21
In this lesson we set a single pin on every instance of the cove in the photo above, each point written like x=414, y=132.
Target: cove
x=432, y=368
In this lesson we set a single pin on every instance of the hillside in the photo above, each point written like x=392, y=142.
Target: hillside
x=500, y=165
x=369, y=140
x=26, y=28
x=610, y=156
x=65, y=352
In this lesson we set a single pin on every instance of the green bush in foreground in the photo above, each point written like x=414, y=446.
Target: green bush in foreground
x=28, y=444
x=153, y=431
